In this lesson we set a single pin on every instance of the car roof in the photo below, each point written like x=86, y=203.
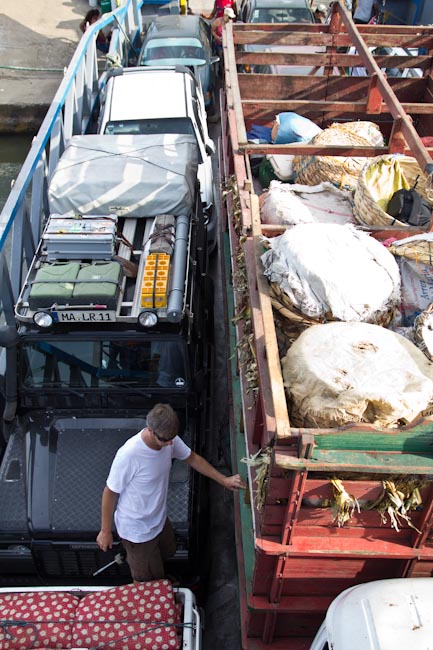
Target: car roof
x=179, y=26
x=146, y=93
x=389, y=614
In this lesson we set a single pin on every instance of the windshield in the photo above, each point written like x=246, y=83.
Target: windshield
x=169, y=51
x=178, y=125
x=103, y=363
x=281, y=15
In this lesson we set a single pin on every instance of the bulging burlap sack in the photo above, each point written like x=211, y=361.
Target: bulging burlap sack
x=331, y=271
x=339, y=373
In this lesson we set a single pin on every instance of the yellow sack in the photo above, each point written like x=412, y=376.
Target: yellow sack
x=383, y=179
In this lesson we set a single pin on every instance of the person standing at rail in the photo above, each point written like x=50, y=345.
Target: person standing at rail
x=218, y=26
x=218, y=9
x=138, y=482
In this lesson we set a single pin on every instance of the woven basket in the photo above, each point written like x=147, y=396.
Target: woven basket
x=419, y=250
x=341, y=171
x=367, y=130
x=283, y=305
x=366, y=210
x=422, y=326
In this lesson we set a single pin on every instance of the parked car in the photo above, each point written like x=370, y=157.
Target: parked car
x=360, y=71
x=162, y=100
x=182, y=40
x=392, y=614
x=277, y=11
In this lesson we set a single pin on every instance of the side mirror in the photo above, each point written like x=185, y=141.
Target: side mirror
x=210, y=147
x=214, y=59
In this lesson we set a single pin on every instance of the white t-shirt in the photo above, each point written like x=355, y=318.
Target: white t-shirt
x=139, y=475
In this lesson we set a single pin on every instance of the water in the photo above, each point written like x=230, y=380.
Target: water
x=13, y=151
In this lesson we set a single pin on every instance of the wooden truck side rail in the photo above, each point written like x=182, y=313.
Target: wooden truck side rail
x=296, y=550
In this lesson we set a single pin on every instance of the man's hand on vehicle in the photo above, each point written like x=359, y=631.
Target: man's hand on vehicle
x=234, y=482
x=105, y=540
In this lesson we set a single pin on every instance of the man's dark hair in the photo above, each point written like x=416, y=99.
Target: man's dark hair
x=163, y=419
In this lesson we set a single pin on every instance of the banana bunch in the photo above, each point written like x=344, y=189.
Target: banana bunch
x=399, y=498
x=261, y=461
x=343, y=503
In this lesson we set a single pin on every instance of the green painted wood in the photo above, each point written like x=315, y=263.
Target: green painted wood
x=238, y=445
x=418, y=439
x=358, y=461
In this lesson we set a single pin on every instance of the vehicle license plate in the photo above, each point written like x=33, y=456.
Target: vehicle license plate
x=69, y=316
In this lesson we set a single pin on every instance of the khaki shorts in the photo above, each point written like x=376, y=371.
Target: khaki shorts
x=146, y=559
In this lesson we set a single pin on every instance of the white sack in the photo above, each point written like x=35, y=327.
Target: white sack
x=282, y=165
x=328, y=269
x=294, y=204
x=416, y=288
x=355, y=372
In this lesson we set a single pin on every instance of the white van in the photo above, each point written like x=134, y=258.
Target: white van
x=394, y=614
x=138, y=101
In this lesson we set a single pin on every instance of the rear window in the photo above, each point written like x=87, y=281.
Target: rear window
x=161, y=51
x=282, y=15
x=178, y=125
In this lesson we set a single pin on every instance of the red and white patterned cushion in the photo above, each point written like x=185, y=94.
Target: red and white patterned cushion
x=131, y=617
x=45, y=620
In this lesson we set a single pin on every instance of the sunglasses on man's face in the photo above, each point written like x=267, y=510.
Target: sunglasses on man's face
x=160, y=438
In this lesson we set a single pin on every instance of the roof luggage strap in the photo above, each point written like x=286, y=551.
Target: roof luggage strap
x=162, y=237
x=121, y=238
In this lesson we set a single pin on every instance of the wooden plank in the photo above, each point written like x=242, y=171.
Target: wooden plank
x=355, y=461
x=315, y=518
x=277, y=395
x=341, y=547
x=329, y=58
x=266, y=109
x=284, y=643
x=402, y=30
x=259, y=36
x=314, y=150
x=291, y=604
x=259, y=87
x=319, y=490
x=271, y=417
x=416, y=439
x=232, y=85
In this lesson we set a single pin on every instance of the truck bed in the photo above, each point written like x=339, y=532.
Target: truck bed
x=296, y=559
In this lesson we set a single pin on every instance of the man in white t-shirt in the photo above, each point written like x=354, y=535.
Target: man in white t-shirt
x=138, y=482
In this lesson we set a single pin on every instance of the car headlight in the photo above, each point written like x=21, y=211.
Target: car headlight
x=147, y=319
x=43, y=319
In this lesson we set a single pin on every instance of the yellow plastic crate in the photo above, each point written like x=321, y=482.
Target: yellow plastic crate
x=155, y=281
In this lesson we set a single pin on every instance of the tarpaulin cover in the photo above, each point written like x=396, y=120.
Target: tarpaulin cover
x=131, y=176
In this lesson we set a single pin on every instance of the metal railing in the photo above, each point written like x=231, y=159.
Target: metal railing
x=26, y=209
